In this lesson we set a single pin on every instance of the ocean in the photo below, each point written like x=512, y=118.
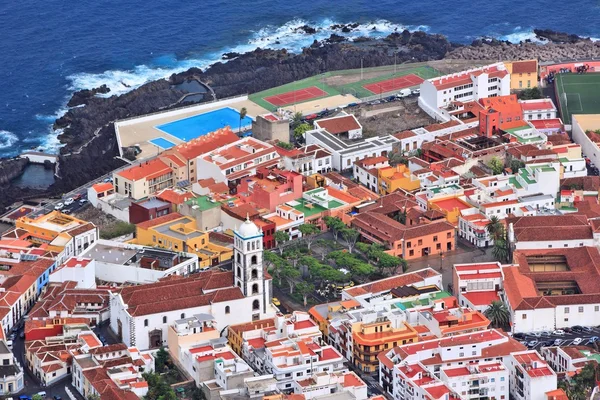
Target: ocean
x=50, y=49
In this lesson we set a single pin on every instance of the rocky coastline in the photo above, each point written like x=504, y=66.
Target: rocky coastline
x=90, y=146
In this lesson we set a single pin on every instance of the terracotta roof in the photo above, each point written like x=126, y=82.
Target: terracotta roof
x=146, y=170
x=405, y=135
x=102, y=187
x=524, y=67
x=159, y=221
x=337, y=125
x=199, y=290
x=82, y=229
x=387, y=284
x=205, y=144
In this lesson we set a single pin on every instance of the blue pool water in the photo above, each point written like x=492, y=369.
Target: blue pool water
x=199, y=125
x=162, y=143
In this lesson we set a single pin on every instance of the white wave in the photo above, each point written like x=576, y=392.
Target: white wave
x=51, y=144
x=7, y=139
x=520, y=35
x=286, y=36
x=52, y=117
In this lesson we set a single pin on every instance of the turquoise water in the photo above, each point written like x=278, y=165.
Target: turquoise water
x=199, y=125
x=162, y=143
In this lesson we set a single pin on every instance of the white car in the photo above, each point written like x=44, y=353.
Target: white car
x=69, y=201
x=59, y=206
x=576, y=341
x=559, y=332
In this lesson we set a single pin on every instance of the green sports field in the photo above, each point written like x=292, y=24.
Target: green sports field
x=577, y=94
x=350, y=81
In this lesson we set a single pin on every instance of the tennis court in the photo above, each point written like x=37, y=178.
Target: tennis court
x=296, y=96
x=395, y=83
x=577, y=94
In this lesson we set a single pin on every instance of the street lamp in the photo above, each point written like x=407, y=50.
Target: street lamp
x=441, y=260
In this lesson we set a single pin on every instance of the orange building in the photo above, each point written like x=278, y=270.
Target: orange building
x=502, y=112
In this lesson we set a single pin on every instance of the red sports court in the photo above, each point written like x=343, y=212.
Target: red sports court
x=392, y=84
x=295, y=96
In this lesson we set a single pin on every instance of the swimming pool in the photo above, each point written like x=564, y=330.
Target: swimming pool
x=199, y=125
x=162, y=143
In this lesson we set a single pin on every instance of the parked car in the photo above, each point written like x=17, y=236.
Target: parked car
x=275, y=301
x=577, y=328
x=577, y=341
x=593, y=339
x=587, y=329
x=12, y=336
x=557, y=342
x=77, y=196
x=83, y=201
x=519, y=336
x=547, y=333
x=59, y=206
x=532, y=343
x=69, y=201
x=558, y=332
x=536, y=334
x=57, y=397
x=67, y=211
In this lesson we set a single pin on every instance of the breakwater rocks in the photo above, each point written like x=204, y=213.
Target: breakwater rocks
x=482, y=50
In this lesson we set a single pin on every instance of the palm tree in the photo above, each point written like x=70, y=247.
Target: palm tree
x=498, y=314
x=500, y=251
x=495, y=228
x=243, y=113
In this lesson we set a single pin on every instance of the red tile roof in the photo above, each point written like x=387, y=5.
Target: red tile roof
x=159, y=221
x=205, y=144
x=537, y=105
x=102, y=187
x=524, y=67
x=146, y=170
x=337, y=125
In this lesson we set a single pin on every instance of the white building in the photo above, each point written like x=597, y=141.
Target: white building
x=581, y=124
x=549, y=232
x=472, y=227
x=365, y=171
x=292, y=360
x=124, y=262
x=307, y=160
x=341, y=125
x=237, y=160
x=485, y=347
x=572, y=300
x=477, y=285
x=76, y=269
x=345, y=152
x=324, y=384
x=11, y=372
x=474, y=84
x=140, y=315
x=474, y=381
x=286, y=219
x=538, y=109
x=530, y=376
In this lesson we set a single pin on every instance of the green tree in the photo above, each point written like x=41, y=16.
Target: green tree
x=243, y=113
x=158, y=389
x=500, y=250
x=280, y=238
x=93, y=397
x=290, y=274
x=285, y=145
x=390, y=263
x=292, y=255
x=496, y=165
x=305, y=289
x=580, y=386
x=296, y=119
x=37, y=397
x=300, y=130
x=160, y=359
x=350, y=236
x=309, y=232
x=335, y=225
x=498, y=314
x=529, y=94
x=495, y=228
x=401, y=217
x=274, y=264
x=351, y=262
x=516, y=165
x=395, y=158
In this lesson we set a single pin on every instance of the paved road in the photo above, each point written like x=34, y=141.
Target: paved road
x=566, y=339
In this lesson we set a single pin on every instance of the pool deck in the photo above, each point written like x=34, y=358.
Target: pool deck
x=140, y=133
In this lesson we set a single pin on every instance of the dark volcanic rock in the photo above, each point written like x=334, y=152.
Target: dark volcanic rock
x=557, y=37
x=11, y=168
x=230, y=55
x=335, y=39
x=83, y=96
x=306, y=29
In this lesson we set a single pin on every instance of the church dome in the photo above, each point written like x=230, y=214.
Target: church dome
x=248, y=229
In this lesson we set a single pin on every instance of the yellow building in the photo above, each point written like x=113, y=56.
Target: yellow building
x=370, y=339
x=58, y=232
x=394, y=178
x=178, y=233
x=523, y=74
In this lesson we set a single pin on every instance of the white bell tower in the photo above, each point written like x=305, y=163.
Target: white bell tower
x=248, y=262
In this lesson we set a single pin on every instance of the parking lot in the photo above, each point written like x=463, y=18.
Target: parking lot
x=545, y=339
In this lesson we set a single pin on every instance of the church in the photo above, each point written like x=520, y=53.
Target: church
x=141, y=315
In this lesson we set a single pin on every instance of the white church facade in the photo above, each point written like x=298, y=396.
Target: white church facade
x=140, y=315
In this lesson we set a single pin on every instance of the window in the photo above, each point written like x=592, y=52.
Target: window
x=239, y=272
x=145, y=322
x=596, y=308
x=253, y=260
x=438, y=246
x=255, y=305
x=182, y=315
x=523, y=316
x=255, y=288
x=411, y=253
x=408, y=244
x=420, y=242
x=566, y=310
x=580, y=309
x=227, y=310
x=449, y=235
x=164, y=320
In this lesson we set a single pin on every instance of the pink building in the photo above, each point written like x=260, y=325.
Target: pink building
x=270, y=188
